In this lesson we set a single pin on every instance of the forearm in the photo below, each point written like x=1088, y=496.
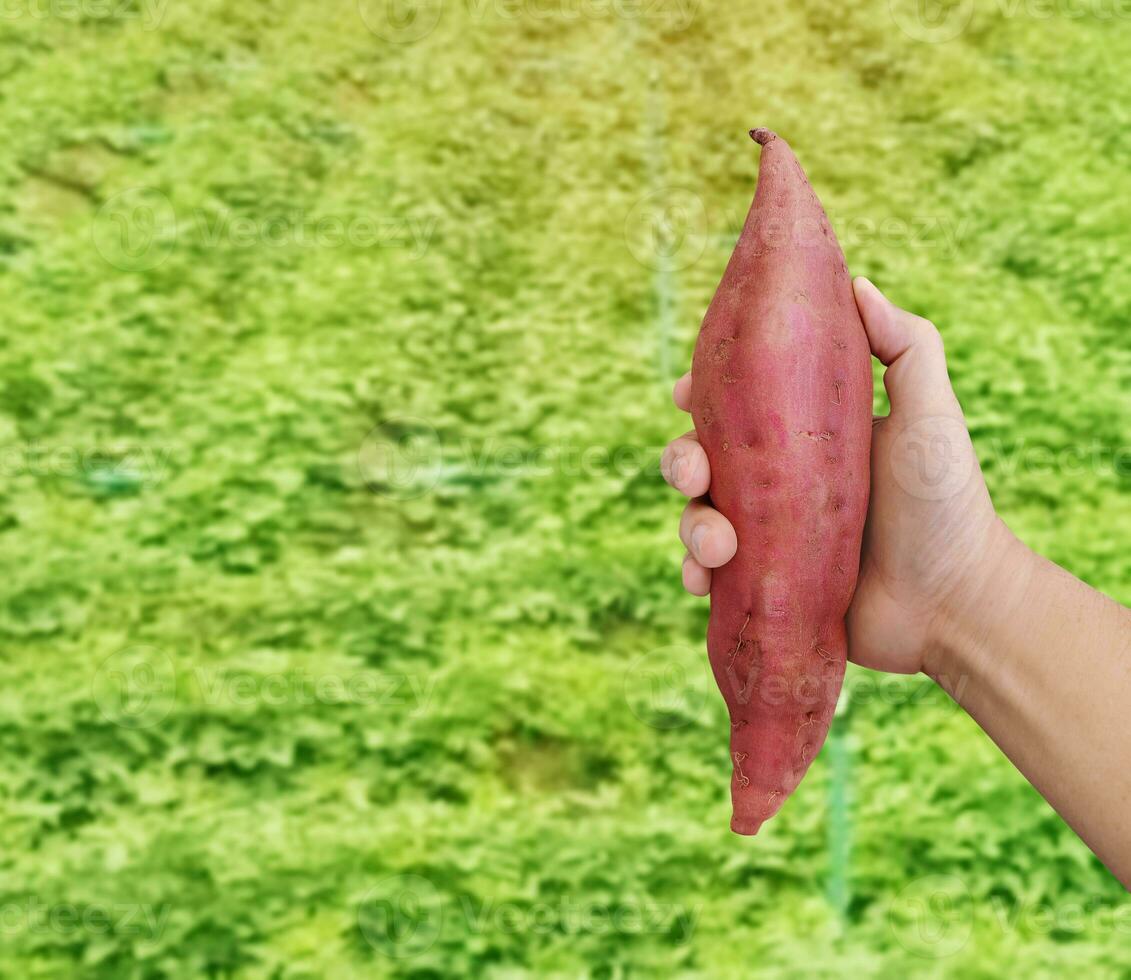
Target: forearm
x=1043, y=663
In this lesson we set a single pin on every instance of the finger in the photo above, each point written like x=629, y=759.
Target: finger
x=685, y=466
x=707, y=535
x=912, y=350
x=696, y=578
x=681, y=394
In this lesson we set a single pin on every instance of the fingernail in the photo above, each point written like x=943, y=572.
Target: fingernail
x=677, y=469
x=698, y=536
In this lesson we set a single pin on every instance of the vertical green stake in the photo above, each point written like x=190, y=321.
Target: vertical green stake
x=665, y=276
x=840, y=818
x=653, y=123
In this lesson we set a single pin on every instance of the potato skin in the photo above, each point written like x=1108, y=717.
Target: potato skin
x=782, y=404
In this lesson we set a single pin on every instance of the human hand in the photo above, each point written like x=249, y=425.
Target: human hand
x=931, y=535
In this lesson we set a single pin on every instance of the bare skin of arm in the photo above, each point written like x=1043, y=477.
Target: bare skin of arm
x=1041, y=661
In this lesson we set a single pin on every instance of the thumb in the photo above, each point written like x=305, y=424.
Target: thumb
x=911, y=349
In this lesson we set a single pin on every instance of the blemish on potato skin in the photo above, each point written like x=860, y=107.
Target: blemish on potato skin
x=720, y=353
x=743, y=695
x=753, y=669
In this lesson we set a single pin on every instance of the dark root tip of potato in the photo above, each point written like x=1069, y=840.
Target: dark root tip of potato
x=745, y=826
x=762, y=136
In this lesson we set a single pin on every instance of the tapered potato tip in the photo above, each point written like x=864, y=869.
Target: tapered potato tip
x=745, y=826
x=763, y=136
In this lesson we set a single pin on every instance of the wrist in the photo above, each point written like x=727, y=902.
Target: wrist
x=991, y=591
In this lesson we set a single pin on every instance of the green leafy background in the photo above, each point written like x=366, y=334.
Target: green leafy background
x=342, y=632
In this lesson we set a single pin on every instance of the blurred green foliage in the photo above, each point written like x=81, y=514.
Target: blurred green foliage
x=342, y=628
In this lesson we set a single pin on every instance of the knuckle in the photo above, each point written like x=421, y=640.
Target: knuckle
x=930, y=333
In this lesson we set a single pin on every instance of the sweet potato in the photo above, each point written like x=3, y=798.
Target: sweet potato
x=782, y=403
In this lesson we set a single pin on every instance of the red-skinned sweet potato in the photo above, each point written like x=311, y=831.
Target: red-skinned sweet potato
x=782, y=403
